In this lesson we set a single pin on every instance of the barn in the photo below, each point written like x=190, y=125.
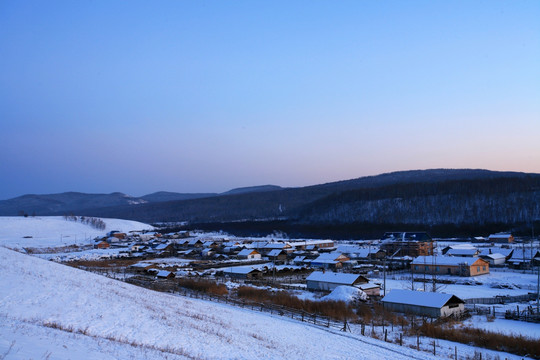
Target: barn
x=421, y=303
x=319, y=280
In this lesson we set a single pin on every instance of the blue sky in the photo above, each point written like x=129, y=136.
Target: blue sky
x=205, y=96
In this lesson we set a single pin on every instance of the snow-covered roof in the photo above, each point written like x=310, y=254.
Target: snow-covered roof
x=243, y=270
x=368, y=286
x=328, y=257
x=462, y=251
x=445, y=260
x=496, y=250
x=276, y=246
x=163, y=273
x=419, y=298
x=162, y=246
x=500, y=236
x=524, y=254
x=496, y=256
x=247, y=252
x=335, y=278
x=275, y=252
x=140, y=265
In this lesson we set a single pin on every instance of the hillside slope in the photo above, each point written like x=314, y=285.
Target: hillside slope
x=52, y=231
x=38, y=298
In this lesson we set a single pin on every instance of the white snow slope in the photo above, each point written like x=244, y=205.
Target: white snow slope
x=52, y=311
x=53, y=231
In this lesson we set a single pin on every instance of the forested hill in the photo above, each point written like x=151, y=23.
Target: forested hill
x=496, y=200
x=428, y=197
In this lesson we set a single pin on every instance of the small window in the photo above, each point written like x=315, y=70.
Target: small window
x=427, y=268
x=416, y=267
x=478, y=268
x=484, y=267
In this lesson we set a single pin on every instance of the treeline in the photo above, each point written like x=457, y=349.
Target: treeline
x=353, y=231
x=87, y=220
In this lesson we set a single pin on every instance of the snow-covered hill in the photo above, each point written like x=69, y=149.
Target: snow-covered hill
x=48, y=310
x=51, y=231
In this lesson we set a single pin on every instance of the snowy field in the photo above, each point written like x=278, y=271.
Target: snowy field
x=55, y=231
x=52, y=311
x=497, y=283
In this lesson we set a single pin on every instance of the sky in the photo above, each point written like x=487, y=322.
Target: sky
x=205, y=96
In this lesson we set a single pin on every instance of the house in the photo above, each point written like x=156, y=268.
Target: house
x=313, y=245
x=506, y=251
x=505, y=238
x=211, y=244
x=183, y=243
x=164, y=274
x=286, y=247
x=149, y=235
x=333, y=260
x=494, y=259
x=207, y=252
x=299, y=260
x=450, y=265
x=277, y=255
x=103, y=244
x=242, y=272
x=249, y=254
x=428, y=304
x=197, y=243
x=321, y=280
x=166, y=249
x=141, y=267
x=138, y=247
x=411, y=244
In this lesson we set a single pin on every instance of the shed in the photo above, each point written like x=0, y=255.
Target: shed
x=371, y=289
x=429, y=304
x=319, y=280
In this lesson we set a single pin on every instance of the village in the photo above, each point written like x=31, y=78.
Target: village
x=312, y=269
x=399, y=288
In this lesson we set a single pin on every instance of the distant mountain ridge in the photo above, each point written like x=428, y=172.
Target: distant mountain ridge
x=418, y=197
x=77, y=202
x=69, y=201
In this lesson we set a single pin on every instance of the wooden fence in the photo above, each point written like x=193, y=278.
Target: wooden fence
x=501, y=299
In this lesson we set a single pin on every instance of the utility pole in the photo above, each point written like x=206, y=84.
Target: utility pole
x=384, y=274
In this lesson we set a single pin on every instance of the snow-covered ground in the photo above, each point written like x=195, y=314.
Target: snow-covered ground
x=497, y=283
x=55, y=231
x=509, y=327
x=68, y=313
